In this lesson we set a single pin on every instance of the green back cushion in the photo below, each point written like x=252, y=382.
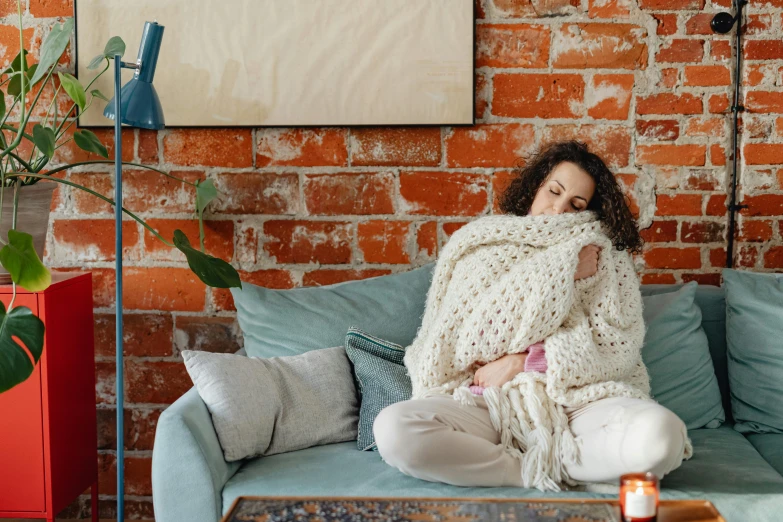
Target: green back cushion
x=677, y=356
x=754, y=333
x=381, y=379
x=675, y=351
x=711, y=300
x=277, y=323
x=712, y=303
x=289, y=322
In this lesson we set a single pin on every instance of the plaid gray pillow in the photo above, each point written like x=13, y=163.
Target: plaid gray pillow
x=381, y=379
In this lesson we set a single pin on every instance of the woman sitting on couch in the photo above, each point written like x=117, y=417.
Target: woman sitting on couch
x=437, y=438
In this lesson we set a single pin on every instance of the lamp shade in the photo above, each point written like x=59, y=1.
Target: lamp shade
x=139, y=103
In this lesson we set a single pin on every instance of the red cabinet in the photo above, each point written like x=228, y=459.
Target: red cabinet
x=48, y=434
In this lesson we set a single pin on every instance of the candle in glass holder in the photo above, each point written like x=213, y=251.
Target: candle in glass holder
x=639, y=497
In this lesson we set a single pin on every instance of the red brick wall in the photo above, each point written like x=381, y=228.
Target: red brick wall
x=645, y=83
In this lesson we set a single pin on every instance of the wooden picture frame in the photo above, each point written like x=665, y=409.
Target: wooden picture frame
x=269, y=63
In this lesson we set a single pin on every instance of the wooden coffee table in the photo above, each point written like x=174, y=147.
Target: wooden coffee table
x=381, y=509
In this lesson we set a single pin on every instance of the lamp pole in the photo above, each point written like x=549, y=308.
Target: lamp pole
x=118, y=279
x=142, y=109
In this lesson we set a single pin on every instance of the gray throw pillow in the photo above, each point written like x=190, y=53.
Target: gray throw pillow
x=294, y=321
x=754, y=333
x=381, y=379
x=269, y=406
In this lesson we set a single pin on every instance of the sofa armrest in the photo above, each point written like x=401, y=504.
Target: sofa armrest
x=188, y=468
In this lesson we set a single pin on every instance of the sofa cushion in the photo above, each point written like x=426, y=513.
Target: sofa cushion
x=754, y=328
x=712, y=303
x=770, y=446
x=267, y=406
x=711, y=300
x=381, y=379
x=725, y=469
x=677, y=357
x=294, y=321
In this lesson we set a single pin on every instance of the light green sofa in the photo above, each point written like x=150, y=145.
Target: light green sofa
x=192, y=483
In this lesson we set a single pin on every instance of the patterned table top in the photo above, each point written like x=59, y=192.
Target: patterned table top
x=359, y=509
x=249, y=509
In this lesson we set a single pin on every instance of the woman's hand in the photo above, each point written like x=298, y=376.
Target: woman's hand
x=500, y=371
x=588, y=262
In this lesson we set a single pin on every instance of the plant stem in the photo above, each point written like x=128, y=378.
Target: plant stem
x=22, y=162
x=35, y=149
x=2, y=190
x=25, y=118
x=52, y=104
x=65, y=117
x=97, y=195
x=57, y=137
x=8, y=113
x=104, y=162
x=55, y=105
x=73, y=121
x=22, y=64
x=16, y=205
x=11, y=128
x=201, y=229
x=63, y=143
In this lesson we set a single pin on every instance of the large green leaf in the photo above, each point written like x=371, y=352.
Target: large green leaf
x=21, y=261
x=212, y=271
x=2, y=106
x=87, y=140
x=96, y=62
x=16, y=63
x=115, y=45
x=15, y=364
x=205, y=192
x=15, y=85
x=31, y=72
x=74, y=89
x=44, y=139
x=53, y=48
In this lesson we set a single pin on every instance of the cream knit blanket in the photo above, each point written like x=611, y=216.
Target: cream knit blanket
x=504, y=282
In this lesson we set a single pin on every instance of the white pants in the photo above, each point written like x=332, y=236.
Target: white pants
x=439, y=440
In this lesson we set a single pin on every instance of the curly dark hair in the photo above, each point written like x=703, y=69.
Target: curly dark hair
x=608, y=201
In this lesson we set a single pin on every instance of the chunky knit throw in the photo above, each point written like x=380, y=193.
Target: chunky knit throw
x=504, y=282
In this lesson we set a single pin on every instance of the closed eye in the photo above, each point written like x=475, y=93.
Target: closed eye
x=557, y=194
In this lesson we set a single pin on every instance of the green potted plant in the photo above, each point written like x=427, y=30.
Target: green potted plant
x=25, y=180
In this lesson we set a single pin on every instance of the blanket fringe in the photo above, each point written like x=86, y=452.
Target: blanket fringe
x=463, y=394
x=443, y=389
x=688, y=448
x=536, y=433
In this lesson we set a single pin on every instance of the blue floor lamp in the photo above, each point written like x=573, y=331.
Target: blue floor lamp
x=137, y=105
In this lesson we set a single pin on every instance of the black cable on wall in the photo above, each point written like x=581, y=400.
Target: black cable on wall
x=723, y=23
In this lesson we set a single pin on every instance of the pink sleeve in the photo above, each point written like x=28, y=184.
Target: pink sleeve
x=535, y=362
x=536, y=359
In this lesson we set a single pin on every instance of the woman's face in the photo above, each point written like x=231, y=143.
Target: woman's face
x=567, y=189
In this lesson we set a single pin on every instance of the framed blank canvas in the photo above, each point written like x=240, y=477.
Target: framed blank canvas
x=292, y=62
